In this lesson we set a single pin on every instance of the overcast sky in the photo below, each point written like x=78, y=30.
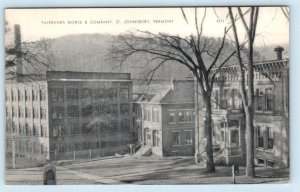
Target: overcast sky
x=273, y=27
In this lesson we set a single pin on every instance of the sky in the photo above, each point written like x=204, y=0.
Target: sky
x=272, y=28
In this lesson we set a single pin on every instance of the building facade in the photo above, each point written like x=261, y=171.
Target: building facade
x=165, y=118
x=271, y=114
x=70, y=115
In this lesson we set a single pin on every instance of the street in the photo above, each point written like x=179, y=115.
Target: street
x=145, y=170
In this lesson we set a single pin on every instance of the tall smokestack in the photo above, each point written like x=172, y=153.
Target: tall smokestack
x=18, y=50
x=279, y=51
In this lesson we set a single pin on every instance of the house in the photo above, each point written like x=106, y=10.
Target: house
x=165, y=118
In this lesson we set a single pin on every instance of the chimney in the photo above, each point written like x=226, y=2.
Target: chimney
x=173, y=83
x=279, y=51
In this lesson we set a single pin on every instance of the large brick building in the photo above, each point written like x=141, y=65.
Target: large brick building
x=69, y=115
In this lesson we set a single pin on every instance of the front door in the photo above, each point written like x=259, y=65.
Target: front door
x=147, y=136
x=155, y=138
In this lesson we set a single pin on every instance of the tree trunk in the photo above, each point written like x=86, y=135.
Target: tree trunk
x=250, y=171
x=249, y=112
x=210, y=165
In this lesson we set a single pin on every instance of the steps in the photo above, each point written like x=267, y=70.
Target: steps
x=143, y=151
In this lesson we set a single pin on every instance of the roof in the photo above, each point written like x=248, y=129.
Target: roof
x=163, y=92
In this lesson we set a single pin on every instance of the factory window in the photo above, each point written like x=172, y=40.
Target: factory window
x=100, y=93
x=28, y=112
x=57, y=94
x=74, y=129
x=86, y=93
x=43, y=113
x=57, y=113
x=87, y=111
x=43, y=95
x=124, y=93
x=124, y=109
x=111, y=92
x=73, y=111
x=35, y=95
x=35, y=113
x=35, y=131
x=72, y=93
x=21, y=112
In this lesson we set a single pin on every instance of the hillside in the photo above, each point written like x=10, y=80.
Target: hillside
x=89, y=52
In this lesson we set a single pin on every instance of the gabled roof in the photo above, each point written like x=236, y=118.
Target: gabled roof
x=164, y=92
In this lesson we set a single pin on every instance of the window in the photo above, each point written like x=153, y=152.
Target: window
x=27, y=112
x=73, y=111
x=35, y=131
x=269, y=99
x=72, y=93
x=236, y=102
x=87, y=111
x=222, y=136
x=172, y=117
x=235, y=137
x=21, y=112
x=43, y=113
x=34, y=95
x=28, y=146
x=27, y=95
x=124, y=109
x=181, y=116
x=42, y=95
x=265, y=99
x=57, y=94
x=146, y=114
x=57, y=113
x=28, y=129
x=176, y=138
x=100, y=93
x=260, y=137
x=156, y=139
x=270, y=138
x=124, y=93
x=74, y=129
x=188, y=116
x=43, y=130
x=22, y=129
x=58, y=130
x=14, y=112
x=125, y=125
x=261, y=162
x=86, y=93
x=35, y=113
x=20, y=95
x=270, y=163
x=111, y=92
x=187, y=138
x=155, y=115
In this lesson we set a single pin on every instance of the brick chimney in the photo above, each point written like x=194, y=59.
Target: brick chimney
x=279, y=51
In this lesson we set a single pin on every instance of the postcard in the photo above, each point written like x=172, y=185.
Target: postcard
x=147, y=95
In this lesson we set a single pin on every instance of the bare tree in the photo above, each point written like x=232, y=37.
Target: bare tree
x=196, y=52
x=246, y=70
x=34, y=57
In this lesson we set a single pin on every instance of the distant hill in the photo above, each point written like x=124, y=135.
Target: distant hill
x=89, y=52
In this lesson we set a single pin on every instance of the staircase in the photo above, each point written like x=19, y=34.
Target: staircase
x=218, y=158
x=145, y=150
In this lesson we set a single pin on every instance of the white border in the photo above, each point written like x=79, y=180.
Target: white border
x=294, y=184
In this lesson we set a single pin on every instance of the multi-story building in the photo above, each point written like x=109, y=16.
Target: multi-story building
x=165, y=118
x=271, y=114
x=69, y=115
